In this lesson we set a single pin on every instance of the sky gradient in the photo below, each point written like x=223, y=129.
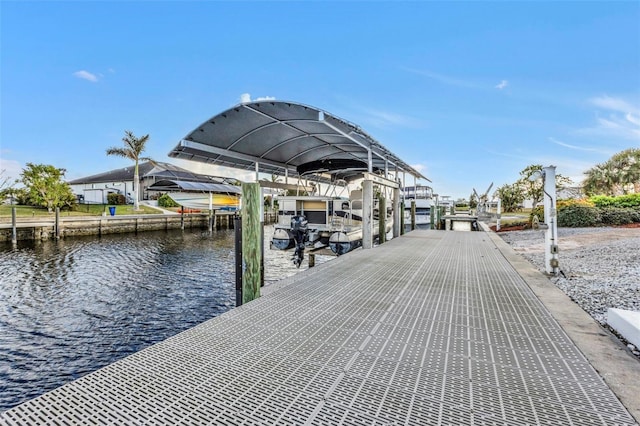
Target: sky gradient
x=470, y=93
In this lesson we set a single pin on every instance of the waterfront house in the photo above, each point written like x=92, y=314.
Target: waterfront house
x=94, y=189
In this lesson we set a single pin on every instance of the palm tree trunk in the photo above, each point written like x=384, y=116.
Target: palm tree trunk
x=136, y=188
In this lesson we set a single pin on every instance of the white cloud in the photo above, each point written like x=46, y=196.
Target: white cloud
x=502, y=84
x=578, y=148
x=86, y=75
x=246, y=98
x=615, y=104
x=620, y=122
x=10, y=169
x=634, y=120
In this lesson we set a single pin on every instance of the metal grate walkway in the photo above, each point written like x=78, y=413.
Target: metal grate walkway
x=434, y=328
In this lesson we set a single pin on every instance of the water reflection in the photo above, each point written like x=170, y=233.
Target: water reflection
x=72, y=306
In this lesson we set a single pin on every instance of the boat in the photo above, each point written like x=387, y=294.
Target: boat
x=321, y=212
x=347, y=235
x=207, y=201
x=422, y=195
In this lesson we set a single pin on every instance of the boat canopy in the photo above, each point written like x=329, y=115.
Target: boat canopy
x=187, y=186
x=279, y=138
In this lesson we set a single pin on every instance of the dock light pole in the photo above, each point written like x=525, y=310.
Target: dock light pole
x=548, y=175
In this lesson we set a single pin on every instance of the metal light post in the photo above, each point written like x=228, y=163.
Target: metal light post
x=548, y=174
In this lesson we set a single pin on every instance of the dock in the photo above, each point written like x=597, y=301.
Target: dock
x=432, y=328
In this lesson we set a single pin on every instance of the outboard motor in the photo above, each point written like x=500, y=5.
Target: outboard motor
x=299, y=230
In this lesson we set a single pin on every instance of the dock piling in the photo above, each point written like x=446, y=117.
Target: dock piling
x=14, y=231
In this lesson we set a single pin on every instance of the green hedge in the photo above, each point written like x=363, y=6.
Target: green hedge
x=622, y=201
x=578, y=215
x=618, y=216
x=114, y=198
x=166, y=201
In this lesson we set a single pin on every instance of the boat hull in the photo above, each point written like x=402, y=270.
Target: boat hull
x=343, y=242
x=203, y=201
x=282, y=239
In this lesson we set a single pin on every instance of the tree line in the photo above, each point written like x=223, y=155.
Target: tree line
x=44, y=185
x=619, y=175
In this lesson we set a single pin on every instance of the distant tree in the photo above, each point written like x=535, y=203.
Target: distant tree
x=473, y=201
x=618, y=175
x=511, y=196
x=44, y=186
x=133, y=149
x=6, y=185
x=462, y=202
x=534, y=190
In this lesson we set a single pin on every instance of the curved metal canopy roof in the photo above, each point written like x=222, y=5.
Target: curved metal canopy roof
x=281, y=136
x=176, y=185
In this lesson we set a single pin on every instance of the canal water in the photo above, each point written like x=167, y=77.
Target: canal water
x=72, y=306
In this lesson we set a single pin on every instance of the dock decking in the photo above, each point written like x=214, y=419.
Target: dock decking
x=433, y=328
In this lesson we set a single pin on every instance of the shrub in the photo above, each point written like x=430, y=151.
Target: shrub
x=616, y=216
x=536, y=211
x=578, y=215
x=166, y=201
x=114, y=198
x=622, y=201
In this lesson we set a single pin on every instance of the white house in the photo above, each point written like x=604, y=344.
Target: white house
x=95, y=189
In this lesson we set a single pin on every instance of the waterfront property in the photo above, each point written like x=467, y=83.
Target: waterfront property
x=432, y=328
x=155, y=178
x=39, y=229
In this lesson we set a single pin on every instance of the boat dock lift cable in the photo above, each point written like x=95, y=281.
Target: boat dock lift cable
x=431, y=328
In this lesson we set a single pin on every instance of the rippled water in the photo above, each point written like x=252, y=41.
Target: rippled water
x=72, y=306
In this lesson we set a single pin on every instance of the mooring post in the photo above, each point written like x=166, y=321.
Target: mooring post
x=402, y=218
x=432, y=216
x=397, y=213
x=382, y=220
x=182, y=218
x=57, y=224
x=367, y=214
x=312, y=260
x=413, y=215
x=14, y=230
x=237, y=226
x=251, y=241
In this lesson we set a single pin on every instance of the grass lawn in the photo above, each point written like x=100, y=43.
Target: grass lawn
x=78, y=210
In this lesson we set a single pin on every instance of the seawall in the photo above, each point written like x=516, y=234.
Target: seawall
x=45, y=228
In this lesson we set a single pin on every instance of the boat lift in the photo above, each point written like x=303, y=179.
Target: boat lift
x=292, y=140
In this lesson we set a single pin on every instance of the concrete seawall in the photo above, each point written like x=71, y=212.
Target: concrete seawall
x=44, y=229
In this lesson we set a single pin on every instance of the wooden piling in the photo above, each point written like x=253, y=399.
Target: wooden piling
x=14, y=230
x=57, y=223
x=382, y=220
x=413, y=215
x=367, y=214
x=251, y=241
x=397, y=213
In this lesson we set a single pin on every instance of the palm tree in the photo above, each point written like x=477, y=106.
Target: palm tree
x=134, y=146
x=616, y=175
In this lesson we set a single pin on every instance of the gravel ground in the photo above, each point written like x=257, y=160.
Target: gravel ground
x=600, y=267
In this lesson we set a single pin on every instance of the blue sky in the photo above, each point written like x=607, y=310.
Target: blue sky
x=469, y=92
